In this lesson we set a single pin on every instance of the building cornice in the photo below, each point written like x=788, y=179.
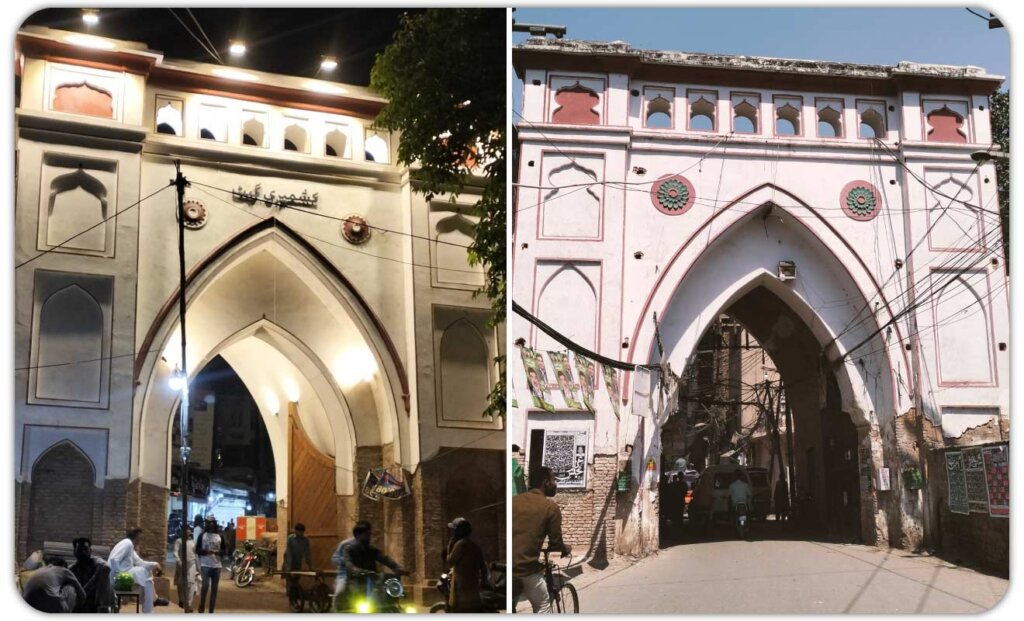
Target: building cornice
x=749, y=71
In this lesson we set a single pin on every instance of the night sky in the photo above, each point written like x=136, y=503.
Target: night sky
x=287, y=41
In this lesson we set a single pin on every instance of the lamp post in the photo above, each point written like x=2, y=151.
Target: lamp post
x=985, y=156
x=180, y=183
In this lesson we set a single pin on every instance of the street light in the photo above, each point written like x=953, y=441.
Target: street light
x=237, y=48
x=985, y=156
x=91, y=17
x=328, y=63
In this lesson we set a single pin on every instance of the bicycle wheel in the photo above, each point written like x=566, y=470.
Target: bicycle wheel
x=320, y=598
x=566, y=601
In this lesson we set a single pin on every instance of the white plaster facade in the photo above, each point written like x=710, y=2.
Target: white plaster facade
x=756, y=199
x=354, y=333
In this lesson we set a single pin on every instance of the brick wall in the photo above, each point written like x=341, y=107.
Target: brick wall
x=147, y=508
x=588, y=516
x=976, y=539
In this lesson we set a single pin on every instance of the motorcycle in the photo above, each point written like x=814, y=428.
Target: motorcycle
x=382, y=593
x=244, y=569
x=741, y=520
x=492, y=598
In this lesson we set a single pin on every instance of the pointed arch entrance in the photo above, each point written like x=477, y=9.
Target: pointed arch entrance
x=809, y=324
x=306, y=346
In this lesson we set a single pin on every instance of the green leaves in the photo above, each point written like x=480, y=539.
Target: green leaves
x=999, y=108
x=444, y=78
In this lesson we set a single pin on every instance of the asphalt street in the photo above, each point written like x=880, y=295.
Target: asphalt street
x=783, y=575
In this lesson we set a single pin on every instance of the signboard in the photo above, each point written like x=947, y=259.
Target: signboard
x=977, y=487
x=565, y=452
x=382, y=483
x=250, y=527
x=884, y=484
x=957, y=483
x=997, y=473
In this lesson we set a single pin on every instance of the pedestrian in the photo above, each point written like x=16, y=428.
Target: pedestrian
x=54, y=588
x=208, y=550
x=186, y=567
x=229, y=540
x=518, y=478
x=781, y=498
x=341, y=580
x=93, y=574
x=466, y=567
x=124, y=559
x=295, y=552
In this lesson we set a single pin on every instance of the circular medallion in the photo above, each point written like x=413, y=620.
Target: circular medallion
x=355, y=230
x=860, y=200
x=195, y=215
x=673, y=195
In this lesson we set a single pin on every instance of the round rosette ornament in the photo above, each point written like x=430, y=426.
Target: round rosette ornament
x=195, y=215
x=860, y=200
x=673, y=195
x=355, y=229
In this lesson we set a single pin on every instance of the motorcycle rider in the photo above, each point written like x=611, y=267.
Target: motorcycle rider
x=739, y=493
x=536, y=517
x=338, y=559
x=360, y=560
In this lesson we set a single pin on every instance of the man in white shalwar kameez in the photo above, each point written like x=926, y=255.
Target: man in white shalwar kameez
x=124, y=558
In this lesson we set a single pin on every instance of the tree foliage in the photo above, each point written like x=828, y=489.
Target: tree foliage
x=444, y=78
x=999, y=108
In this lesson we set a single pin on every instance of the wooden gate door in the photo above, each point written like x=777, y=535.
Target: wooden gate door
x=313, y=499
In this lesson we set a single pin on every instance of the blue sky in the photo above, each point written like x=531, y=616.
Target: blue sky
x=865, y=35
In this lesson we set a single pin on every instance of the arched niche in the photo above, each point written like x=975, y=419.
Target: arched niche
x=946, y=125
x=963, y=338
x=569, y=212
x=336, y=144
x=452, y=235
x=952, y=224
x=77, y=205
x=70, y=347
x=465, y=380
x=576, y=106
x=61, y=501
x=83, y=98
x=567, y=286
x=253, y=133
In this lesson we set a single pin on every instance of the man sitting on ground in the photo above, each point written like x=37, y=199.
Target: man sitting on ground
x=53, y=588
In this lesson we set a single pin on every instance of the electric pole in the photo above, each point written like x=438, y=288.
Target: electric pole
x=180, y=183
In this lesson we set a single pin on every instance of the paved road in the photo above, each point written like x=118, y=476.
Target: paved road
x=786, y=576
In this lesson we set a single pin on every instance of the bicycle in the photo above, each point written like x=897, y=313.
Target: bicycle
x=562, y=595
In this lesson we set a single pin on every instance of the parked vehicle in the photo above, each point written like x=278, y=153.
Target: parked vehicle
x=711, y=496
x=761, y=489
x=245, y=570
x=383, y=593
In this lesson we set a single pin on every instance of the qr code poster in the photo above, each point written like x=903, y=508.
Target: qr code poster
x=997, y=474
x=565, y=452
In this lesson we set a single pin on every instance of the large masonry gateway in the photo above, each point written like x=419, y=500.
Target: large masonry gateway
x=340, y=297
x=834, y=214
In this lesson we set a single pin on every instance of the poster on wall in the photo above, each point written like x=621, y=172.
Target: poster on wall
x=642, y=392
x=587, y=370
x=997, y=473
x=537, y=379
x=563, y=376
x=565, y=452
x=977, y=487
x=957, y=483
x=611, y=382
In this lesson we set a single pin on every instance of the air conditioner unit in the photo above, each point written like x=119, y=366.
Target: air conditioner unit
x=787, y=270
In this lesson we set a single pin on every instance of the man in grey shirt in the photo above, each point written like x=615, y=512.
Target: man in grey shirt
x=295, y=552
x=54, y=588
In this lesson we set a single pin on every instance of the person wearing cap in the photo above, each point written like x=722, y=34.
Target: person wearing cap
x=466, y=566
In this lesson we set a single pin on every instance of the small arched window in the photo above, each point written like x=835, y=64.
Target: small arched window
x=295, y=138
x=253, y=133
x=659, y=113
x=745, y=118
x=376, y=149
x=872, y=124
x=168, y=119
x=336, y=143
x=787, y=121
x=702, y=115
x=830, y=123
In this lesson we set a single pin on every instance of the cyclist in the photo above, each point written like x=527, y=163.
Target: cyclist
x=535, y=517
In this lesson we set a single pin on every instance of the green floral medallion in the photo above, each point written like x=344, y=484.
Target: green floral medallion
x=861, y=201
x=673, y=194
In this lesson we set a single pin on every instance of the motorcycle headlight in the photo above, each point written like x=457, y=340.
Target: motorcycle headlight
x=393, y=587
x=363, y=607
x=410, y=610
